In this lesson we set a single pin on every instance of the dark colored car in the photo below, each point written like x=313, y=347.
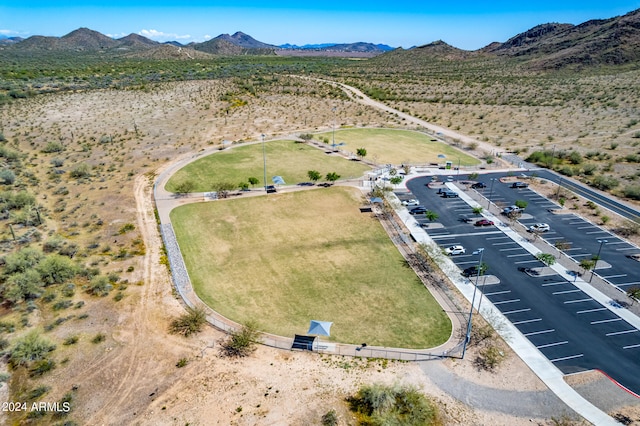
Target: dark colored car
x=519, y=185
x=484, y=222
x=306, y=184
x=479, y=185
x=447, y=193
x=472, y=271
x=271, y=189
x=418, y=210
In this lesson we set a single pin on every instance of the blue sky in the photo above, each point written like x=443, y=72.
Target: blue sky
x=400, y=23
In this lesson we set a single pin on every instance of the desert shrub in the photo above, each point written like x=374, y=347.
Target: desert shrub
x=99, y=286
x=126, y=228
x=71, y=340
x=98, y=338
x=52, y=147
x=37, y=392
x=22, y=260
x=41, y=367
x=393, y=405
x=81, y=170
x=330, y=418
x=29, y=348
x=7, y=177
x=56, y=269
x=632, y=191
x=489, y=357
x=182, y=362
x=22, y=286
x=57, y=162
x=242, y=342
x=63, y=304
x=604, y=182
x=189, y=323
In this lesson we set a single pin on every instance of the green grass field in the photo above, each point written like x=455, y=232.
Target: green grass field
x=285, y=158
x=288, y=258
x=389, y=146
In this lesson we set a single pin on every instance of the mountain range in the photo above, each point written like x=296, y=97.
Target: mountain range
x=611, y=41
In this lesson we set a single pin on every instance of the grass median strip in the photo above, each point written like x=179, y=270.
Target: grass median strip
x=291, y=257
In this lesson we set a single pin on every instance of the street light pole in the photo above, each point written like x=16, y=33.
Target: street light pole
x=593, y=271
x=490, y=192
x=473, y=301
x=484, y=279
x=334, y=127
x=264, y=160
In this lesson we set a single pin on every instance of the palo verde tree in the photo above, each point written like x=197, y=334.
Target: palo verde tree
x=332, y=177
x=546, y=258
x=361, y=152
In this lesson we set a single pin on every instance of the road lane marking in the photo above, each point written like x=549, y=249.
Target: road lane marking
x=631, y=346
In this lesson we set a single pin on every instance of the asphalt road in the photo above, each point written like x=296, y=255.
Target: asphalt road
x=572, y=330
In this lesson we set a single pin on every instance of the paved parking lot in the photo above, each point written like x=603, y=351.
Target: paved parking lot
x=574, y=331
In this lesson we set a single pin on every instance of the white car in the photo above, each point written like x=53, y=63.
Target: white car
x=412, y=202
x=539, y=227
x=454, y=250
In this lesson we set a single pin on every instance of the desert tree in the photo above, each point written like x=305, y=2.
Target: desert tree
x=332, y=177
x=314, y=175
x=241, y=343
x=191, y=322
x=361, y=152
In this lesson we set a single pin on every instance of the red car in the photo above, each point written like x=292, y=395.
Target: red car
x=484, y=222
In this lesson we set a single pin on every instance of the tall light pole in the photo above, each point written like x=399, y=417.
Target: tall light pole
x=490, y=192
x=484, y=279
x=593, y=271
x=264, y=160
x=333, y=143
x=473, y=301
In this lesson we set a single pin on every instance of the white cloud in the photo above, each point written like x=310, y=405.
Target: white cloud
x=162, y=36
x=12, y=33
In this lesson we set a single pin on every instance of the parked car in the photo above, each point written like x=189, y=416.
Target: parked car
x=479, y=185
x=412, y=202
x=306, y=184
x=519, y=185
x=473, y=270
x=418, y=210
x=271, y=189
x=511, y=209
x=454, y=250
x=484, y=222
x=539, y=227
x=447, y=193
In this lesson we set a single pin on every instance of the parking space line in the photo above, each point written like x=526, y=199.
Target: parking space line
x=504, y=237
x=627, y=248
x=613, y=276
x=519, y=255
x=516, y=311
x=631, y=346
x=468, y=234
x=524, y=321
x=512, y=248
x=586, y=311
x=615, y=333
x=506, y=301
x=578, y=301
x=586, y=227
x=566, y=357
x=497, y=292
x=607, y=320
x=564, y=342
x=533, y=333
x=566, y=291
x=554, y=283
x=466, y=263
x=597, y=232
x=527, y=261
x=574, y=248
x=502, y=244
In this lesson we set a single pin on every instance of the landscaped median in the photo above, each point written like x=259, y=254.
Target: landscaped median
x=287, y=258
